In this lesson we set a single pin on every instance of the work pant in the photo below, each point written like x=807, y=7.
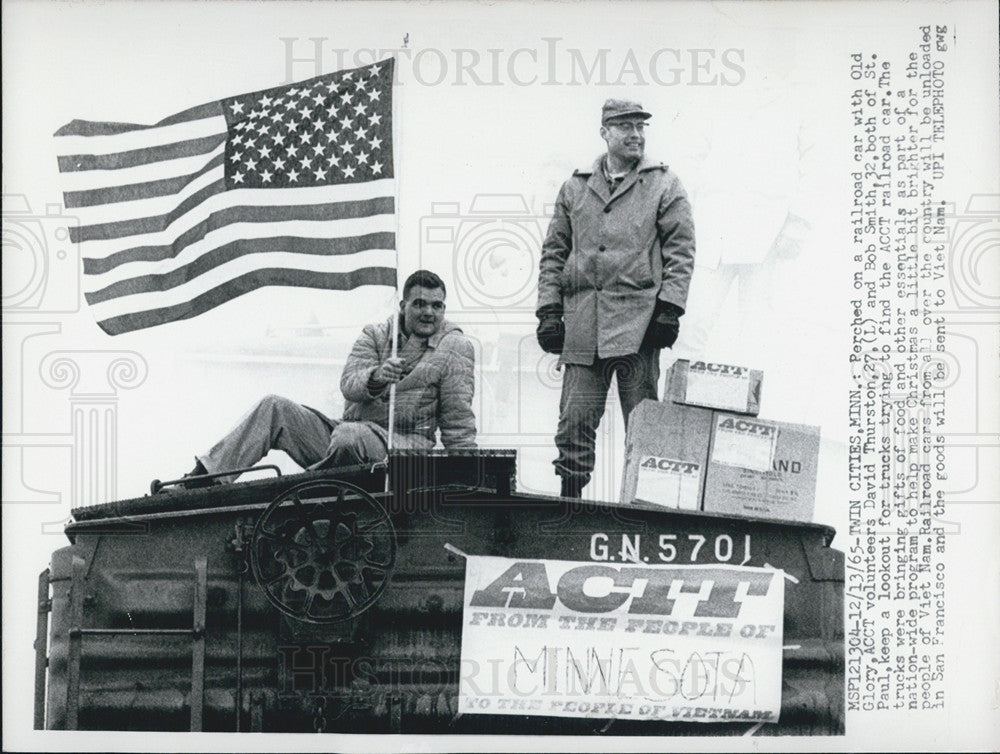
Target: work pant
x=303, y=433
x=581, y=406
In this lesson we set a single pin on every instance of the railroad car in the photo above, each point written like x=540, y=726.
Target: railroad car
x=332, y=600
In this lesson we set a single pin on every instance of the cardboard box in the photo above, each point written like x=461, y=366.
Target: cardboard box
x=737, y=482
x=666, y=450
x=694, y=458
x=720, y=386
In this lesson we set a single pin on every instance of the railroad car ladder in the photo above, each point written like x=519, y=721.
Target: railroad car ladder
x=196, y=632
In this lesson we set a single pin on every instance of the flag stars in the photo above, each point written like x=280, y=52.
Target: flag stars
x=327, y=131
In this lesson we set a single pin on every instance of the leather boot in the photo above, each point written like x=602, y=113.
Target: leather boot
x=196, y=479
x=571, y=487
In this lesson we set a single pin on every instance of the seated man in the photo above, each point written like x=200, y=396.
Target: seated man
x=433, y=373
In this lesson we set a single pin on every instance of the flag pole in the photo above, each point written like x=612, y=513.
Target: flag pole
x=394, y=329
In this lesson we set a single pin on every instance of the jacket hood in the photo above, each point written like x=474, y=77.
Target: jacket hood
x=644, y=164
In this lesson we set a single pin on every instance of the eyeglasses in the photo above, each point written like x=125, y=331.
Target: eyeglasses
x=628, y=127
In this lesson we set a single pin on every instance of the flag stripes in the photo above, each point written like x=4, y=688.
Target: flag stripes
x=153, y=188
x=287, y=186
x=227, y=252
x=242, y=265
x=230, y=231
x=95, y=180
x=135, y=157
x=336, y=281
x=127, y=131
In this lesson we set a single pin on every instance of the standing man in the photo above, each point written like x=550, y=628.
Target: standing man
x=433, y=374
x=613, y=281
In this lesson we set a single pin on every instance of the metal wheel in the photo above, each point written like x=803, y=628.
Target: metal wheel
x=323, y=551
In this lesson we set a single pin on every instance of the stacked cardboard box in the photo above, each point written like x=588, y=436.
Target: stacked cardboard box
x=717, y=455
x=719, y=386
x=666, y=448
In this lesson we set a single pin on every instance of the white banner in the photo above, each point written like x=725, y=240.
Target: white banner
x=635, y=642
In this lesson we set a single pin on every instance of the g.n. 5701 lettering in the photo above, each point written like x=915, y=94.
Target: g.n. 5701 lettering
x=670, y=548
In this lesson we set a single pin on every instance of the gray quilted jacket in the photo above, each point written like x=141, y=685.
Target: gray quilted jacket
x=435, y=395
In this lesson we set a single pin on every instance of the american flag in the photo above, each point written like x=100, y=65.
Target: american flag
x=289, y=186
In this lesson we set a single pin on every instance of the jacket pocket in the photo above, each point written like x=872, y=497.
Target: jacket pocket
x=634, y=271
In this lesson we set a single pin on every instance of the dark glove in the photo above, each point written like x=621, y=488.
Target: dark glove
x=664, y=327
x=551, y=331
